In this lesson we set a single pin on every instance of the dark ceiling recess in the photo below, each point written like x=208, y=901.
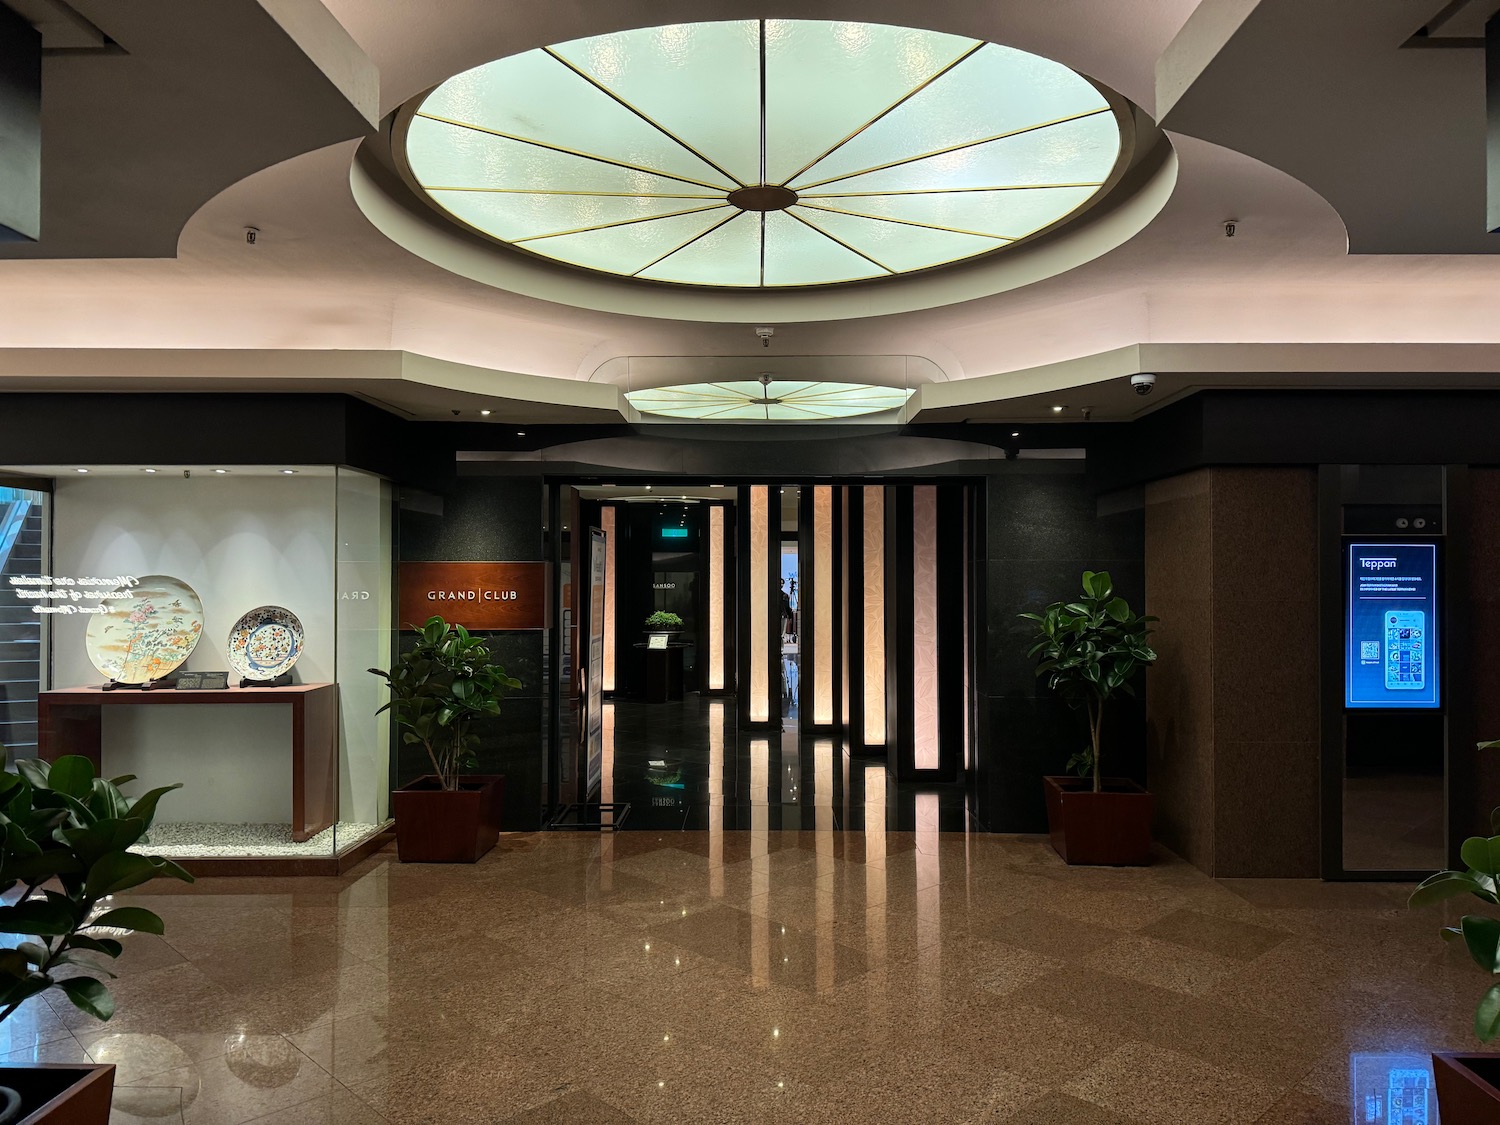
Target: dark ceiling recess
x=20, y=129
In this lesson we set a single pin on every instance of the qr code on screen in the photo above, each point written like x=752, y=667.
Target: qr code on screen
x=1369, y=650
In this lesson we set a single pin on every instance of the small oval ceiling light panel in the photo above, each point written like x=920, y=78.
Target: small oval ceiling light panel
x=763, y=154
x=775, y=400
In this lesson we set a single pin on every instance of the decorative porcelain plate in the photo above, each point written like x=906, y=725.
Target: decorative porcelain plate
x=265, y=643
x=147, y=635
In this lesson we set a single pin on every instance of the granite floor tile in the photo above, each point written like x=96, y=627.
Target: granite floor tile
x=571, y=1108
x=1058, y=1108
x=263, y=1075
x=146, y=1105
x=798, y=975
x=1181, y=968
x=1227, y=937
x=337, y=1108
x=1168, y=1088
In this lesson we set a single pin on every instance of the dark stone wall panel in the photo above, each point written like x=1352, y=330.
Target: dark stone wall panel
x=1042, y=532
x=1179, y=689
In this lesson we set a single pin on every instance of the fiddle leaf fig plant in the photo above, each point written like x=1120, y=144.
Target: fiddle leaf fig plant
x=65, y=837
x=1088, y=651
x=661, y=619
x=1480, y=933
x=439, y=688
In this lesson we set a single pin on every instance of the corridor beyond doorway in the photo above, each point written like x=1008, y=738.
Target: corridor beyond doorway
x=686, y=765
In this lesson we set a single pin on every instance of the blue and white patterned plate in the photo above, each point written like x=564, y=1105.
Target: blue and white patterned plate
x=265, y=642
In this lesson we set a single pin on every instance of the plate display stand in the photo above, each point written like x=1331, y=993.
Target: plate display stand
x=148, y=685
x=282, y=680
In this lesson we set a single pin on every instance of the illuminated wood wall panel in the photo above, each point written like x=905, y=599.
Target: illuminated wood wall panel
x=924, y=594
x=715, y=632
x=759, y=551
x=822, y=615
x=843, y=606
x=927, y=651
x=609, y=524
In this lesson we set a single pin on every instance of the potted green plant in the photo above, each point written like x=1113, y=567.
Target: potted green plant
x=439, y=689
x=1088, y=651
x=1468, y=1083
x=663, y=623
x=65, y=836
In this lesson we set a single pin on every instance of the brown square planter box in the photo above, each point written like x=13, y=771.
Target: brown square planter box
x=1108, y=829
x=62, y=1093
x=1467, y=1087
x=436, y=826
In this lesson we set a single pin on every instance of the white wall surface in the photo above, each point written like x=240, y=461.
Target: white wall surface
x=240, y=541
x=364, y=642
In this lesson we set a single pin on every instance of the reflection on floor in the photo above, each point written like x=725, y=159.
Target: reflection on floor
x=688, y=765
x=876, y=976
x=1394, y=822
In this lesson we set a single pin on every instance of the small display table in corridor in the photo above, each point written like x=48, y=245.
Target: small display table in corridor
x=663, y=672
x=70, y=721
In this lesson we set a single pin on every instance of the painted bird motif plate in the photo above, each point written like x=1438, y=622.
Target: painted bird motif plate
x=147, y=635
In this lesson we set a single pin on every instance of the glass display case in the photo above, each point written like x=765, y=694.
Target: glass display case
x=213, y=626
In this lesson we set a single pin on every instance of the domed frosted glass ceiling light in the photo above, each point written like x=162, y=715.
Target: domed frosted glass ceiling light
x=763, y=153
x=768, y=400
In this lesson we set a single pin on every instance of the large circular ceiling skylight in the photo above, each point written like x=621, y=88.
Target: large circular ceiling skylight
x=768, y=400
x=763, y=153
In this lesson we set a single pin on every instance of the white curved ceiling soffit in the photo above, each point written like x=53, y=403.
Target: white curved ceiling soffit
x=322, y=279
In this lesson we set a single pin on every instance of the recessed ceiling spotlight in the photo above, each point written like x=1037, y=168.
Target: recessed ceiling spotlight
x=221, y=472
x=1058, y=409
x=648, y=488
x=148, y=470
x=83, y=470
x=290, y=472
x=716, y=486
x=486, y=413
x=520, y=433
x=1015, y=433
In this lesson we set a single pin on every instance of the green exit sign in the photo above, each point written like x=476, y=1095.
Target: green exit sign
x=674, y=533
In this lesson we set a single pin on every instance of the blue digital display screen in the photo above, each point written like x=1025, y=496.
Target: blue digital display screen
x=1391, y=655
x=674, y=533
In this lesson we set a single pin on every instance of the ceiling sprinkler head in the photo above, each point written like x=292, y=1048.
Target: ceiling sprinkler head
x=765, y=333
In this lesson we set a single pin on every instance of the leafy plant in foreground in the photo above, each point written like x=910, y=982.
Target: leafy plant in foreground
x=1480, y=933
x=64, y=840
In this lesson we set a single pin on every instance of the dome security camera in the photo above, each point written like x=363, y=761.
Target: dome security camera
x=1143, y=384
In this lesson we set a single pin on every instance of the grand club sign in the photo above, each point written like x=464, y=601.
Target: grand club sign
x=476, y=595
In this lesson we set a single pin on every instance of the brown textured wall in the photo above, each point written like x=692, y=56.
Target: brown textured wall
x=1232, y=564
x=1484, y=632
x=1265, y=622
x=1179, y=689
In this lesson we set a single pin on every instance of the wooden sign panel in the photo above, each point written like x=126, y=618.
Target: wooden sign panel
x=476, y=595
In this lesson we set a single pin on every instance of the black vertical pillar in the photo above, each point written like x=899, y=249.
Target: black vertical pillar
x=1492, y=116
x=813, y=645
x=900, y=662
x=20, y=129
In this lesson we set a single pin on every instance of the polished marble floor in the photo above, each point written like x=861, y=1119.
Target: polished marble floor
x=764, y=976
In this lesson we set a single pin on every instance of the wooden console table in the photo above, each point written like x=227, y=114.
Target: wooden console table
x=70, y=721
